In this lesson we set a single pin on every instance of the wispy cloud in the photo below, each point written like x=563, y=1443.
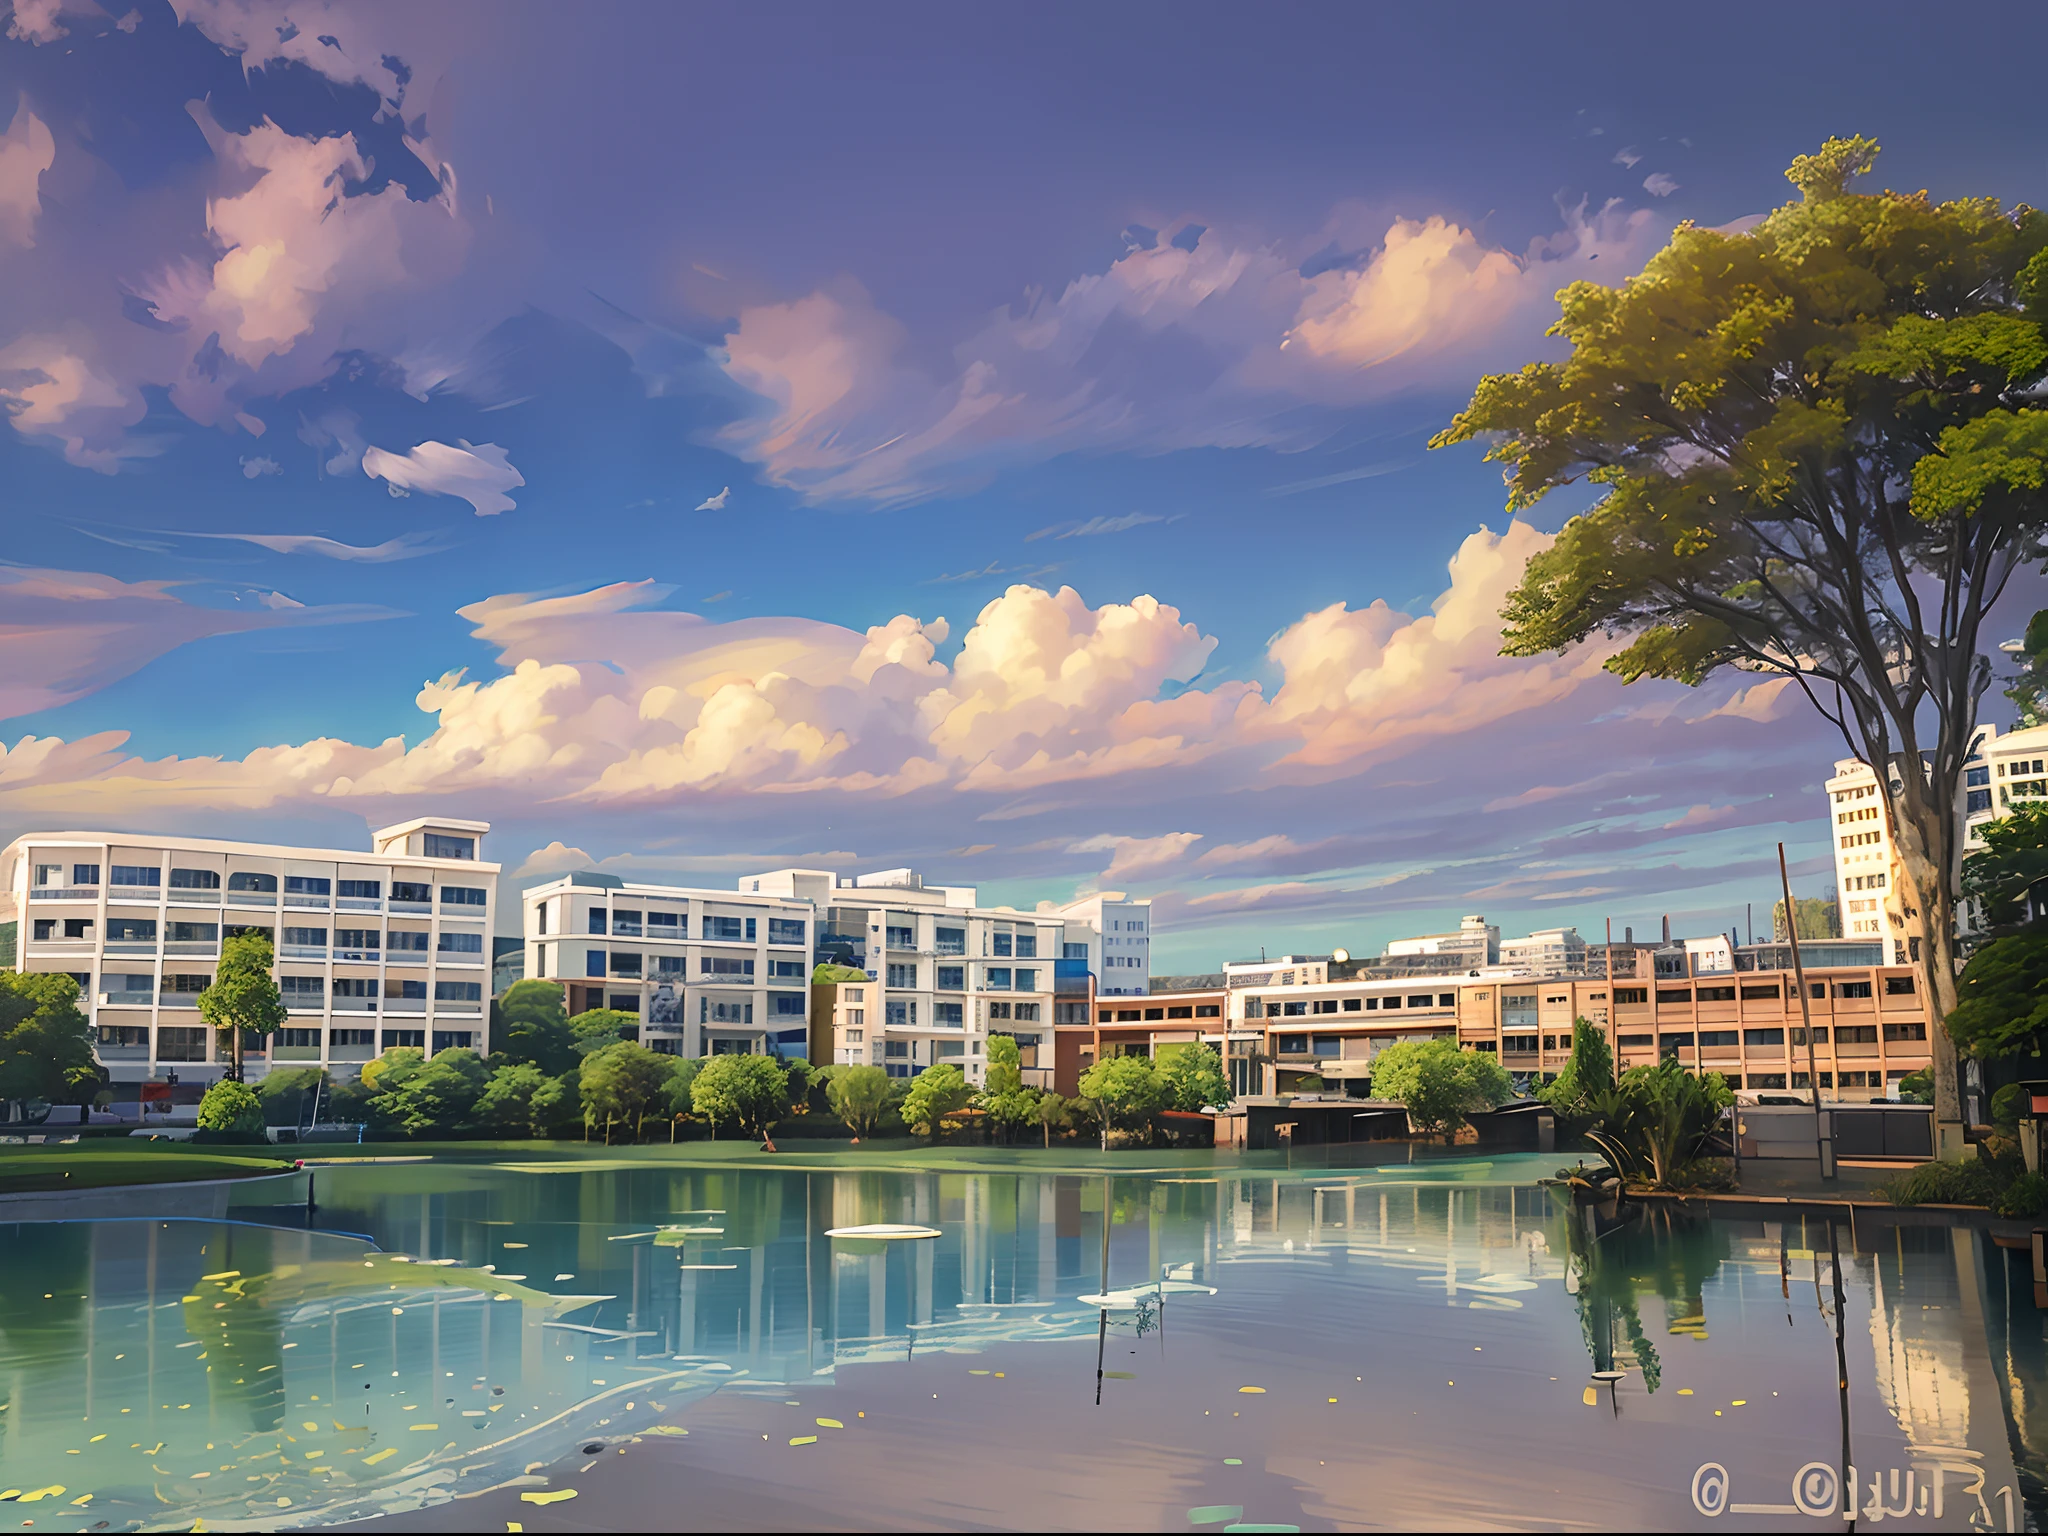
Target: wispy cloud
x=1100, y=525
x=1345, y=477
x=714, y=503
x=407, y=546
x=1659, y=185
x=480, y=473
x=995, y=568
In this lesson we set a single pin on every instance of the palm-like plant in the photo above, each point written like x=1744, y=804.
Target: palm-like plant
x=1656, y=1121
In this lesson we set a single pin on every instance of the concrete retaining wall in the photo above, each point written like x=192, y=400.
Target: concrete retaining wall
x=199, y=1198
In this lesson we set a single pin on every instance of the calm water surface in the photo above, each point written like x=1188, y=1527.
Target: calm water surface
x=1409, y=1346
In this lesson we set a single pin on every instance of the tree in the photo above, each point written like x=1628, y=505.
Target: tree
x=1819, y=918
x=748, y=1089
x=934, y=1094
x=513, y=1099
x=595, y=1028
x=243, y=998
x=44, y=1038
x=622, y=1082
x=1192, y=1076
x=1588, y=1072
x=2008, y=877
x=231, y=1106
x=1127, y=1087
x=1004, y=1097
x=530, y=1024
x=826, y=973
x=1054, y=1113
x=1655, y=1123
x=2029, y=690
x=288, y=1092
x=858, y=1096
x=434, y=1097
x=2003, y=1007
x=1439, y=1084
x=1820, y=462
x=682, y=1073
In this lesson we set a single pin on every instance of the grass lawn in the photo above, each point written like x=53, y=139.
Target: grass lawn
x=97, y=1165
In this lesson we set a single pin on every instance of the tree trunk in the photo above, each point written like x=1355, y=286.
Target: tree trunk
x=1929, y=913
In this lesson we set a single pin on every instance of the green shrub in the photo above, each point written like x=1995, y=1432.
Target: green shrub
x=2007, y=1105
x=230, y=1106
x=1975, y=1183
x=2026, y=1195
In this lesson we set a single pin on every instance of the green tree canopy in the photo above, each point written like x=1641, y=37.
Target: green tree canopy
x=1820, y=459
x=1192, y=1076
x=529, y=1023
x=388, y=1071
x=2029, y=688
x=1054, y=1114
x=595, y=1028
x=682, y=1072
x=1438, y=1083
x=858, y=1096
x=231, y=1106
x=243, y=995
x=935, y=1093
x=517, y=1098
x=624, y=1082
x=1128, y=1088
x=1655, y=1122
x=2003, y=1008
x=1588, y=1072
x=1819, y=918
x=435, y=1098
x=826, y=972
x=1003, y=1095
x=289, y=1093
x=44, y=1037
x=2008, y=877
x=749, y=1090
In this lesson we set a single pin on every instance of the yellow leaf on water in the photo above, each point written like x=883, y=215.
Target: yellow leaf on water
x=372, y=1459
x=665, y=1429
x=1590, y=1398
x=831, y=1424
x=805, y=1440
x=514, y=1525
x=54, y=1491
x=1251, y=1389
x=554, y=1496
x=311, y=1428
x=83, y=1498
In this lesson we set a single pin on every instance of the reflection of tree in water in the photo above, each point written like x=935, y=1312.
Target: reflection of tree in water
x=242, y=1341
x=1614, y=1262
x=42, y=1296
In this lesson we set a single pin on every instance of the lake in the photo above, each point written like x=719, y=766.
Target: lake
x=1411, y=1345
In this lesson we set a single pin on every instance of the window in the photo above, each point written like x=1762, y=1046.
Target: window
x=1905, y=1032
x=308, y=885
x=1898, y=986
x=462, y=896
x=439, y=845
x=116, y=982
x=1766, y=1080
x=85, y=874
x=416, y=1039
x=899, y=937
x=299, y=1038
x=311, y=938
x=457, y=943
x=1390, y=1002
x=597, y=920
x=1855, y=1034
x=1852, y=989
x=180, y=1043
x=724, y=965
x=134, y=874
x=949, y=1015
x=903, y=975
x=664, y=925
x=901, y=1014
x=1674, y=995
x=1447, y=999
x=1290, y=1045
x=1294, y=1010
x=1714, y=1037
x=855, y=1036
x=1820, y=1035
x=355, y=986
x=1027, y=946
x=1975, y=800
x=130, y=1035
x=1631, y=995
x=785, y=930
x=625, y=923
x=856, y=994
x=998, y=979
x=1123, y=1015
x=458, y=991
x=1420, y=1000
x=413, y=891
x=953, y=941
x=1763, y=1037
x=361, y=940
x=788, y=970
x=341, y=1038
x=593, y=962
x=1716, y=994
x=1638, y=1040
x=357, y=890
x=952, y=978
x=415, y=990
x=1518, y=1043
x=1670, y=1044
x=1208, y=1010
x=131, y=930
x=725, y=929
x=999, y=944
x=247, y=880
x=304, y=990
x=45, y=928
x=188, y=983
x=623, y=964
x=895, y=1050
x=406, y=940
x=1180, y=1013
x=1028, y=1012
x=1027, y=979
x=1073, y=951
x=1759, y=994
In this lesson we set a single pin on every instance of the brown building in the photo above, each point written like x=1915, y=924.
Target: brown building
x=1137, y=1026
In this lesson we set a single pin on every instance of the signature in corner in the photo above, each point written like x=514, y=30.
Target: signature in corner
x=1819, y=1491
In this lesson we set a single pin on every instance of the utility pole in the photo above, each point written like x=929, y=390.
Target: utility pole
x=1822, y=1148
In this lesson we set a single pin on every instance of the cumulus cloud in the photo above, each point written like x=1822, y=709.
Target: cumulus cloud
x=1232, y=342
x=26, y=151
x=52, y=391
x=480, y=473
x=556, y=859
x=35, y=21
x=256, y=468
x=329, y=39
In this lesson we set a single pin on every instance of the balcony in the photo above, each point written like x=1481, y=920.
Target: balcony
x=411, y=906
x=312, y=903
x=446, y=1010
x=252, y=898
x=65, y=893
x=131, y=947
x=370, y=955
x=54, y=947
x=178, y=1000
x=355, y=1005
x=127, y=999
x=405, y=1005
x=621, y=929
x=301, y=951
x=192, y=946
x=359, y=903
x=180, y=896
x=108, y=1053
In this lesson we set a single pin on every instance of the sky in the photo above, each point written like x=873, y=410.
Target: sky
x=704, y=439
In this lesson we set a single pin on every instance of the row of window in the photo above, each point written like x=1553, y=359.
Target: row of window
x=179, y=1042
x=633, y=924
x=365, y=943
x=953, y=978
x=1256, y=1008
x=150, y=877
x=1843, y=1034
x=1894, y=986
x=730, y=970
x=306, y=991
x=1170, y=1011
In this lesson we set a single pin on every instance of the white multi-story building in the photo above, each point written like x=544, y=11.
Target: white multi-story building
x=1475, y=945
x=2003, y=771
x=374, y=950
x=716, y=971
x=1118, y=933
x=1546, y=952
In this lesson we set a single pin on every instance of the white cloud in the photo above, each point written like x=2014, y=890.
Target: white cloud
x=52, y=391
x=1095, y=526
x=1629, y=158
x=714, y=503
x=556, y=859
x=326, y=38
x=26, y=151
x=1138, y=855
x=406, y=546
x=1659, y=185
x=278, y=600
x=480, y=473
x=1223, y=345
x=256, y=468
x=35, y=21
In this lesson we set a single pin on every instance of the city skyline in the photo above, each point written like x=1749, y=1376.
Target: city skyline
x=698, y=445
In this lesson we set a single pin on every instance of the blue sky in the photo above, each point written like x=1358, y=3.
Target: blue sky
x=672, y=373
